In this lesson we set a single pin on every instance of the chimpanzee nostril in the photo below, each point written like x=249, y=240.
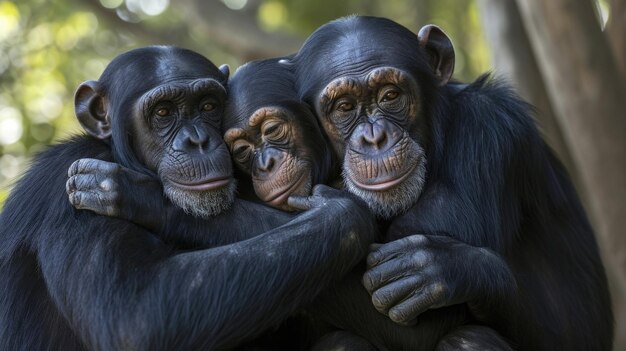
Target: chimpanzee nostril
x=266, y=164
x=374, y=137
x=267, y=161
x=198, y=137
x=375, y=141
x=192, y=139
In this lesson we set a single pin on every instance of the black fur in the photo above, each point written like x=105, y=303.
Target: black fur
x=74, y=280
x=491, y=182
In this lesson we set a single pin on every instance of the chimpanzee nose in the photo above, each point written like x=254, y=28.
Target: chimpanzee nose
x=192, y=139
x=198, y=137
x=267, y=161
x=373, y=137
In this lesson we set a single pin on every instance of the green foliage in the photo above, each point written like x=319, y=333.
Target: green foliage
x=46, y=49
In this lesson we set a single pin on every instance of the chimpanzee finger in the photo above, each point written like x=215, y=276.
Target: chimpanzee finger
x=406, y=312
x=92, y=165
x=393, y=249
x=375, y=246
x=319, y=195
x=90, y=182
x=375, y=278
x=100, y=203
x=301, y=203
x=393, y=269
x=325, y=191
x=389, y=295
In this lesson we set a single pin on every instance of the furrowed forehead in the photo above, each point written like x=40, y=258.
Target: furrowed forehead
x=137, y=72
x=182, y=88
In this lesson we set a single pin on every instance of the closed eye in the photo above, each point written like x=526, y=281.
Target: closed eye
x=241, y=151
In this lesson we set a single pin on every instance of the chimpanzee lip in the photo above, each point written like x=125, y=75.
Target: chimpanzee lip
x=204, y=184
x=385, y=184
x=282, y=195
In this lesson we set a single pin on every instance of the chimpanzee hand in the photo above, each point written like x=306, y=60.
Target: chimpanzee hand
x=360, y=222
x=411, y=275
x=321, y=195
x=109, y=189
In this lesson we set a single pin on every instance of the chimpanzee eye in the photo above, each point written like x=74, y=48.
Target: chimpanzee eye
x=344, y=106
x=241, y=151
x=273, y=130
x=162, y=111
x=390, y=95
x=208, y=106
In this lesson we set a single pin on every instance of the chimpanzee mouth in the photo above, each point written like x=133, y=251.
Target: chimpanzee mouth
x=205, y=184
x=387, y=182
x=280, y=197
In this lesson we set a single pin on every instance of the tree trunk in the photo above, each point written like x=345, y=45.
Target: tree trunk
x=587, y=93
x=513, y=58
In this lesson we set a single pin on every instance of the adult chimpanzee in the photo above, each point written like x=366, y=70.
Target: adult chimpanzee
x=273, y=137
x=493, y=218
x=75, y=280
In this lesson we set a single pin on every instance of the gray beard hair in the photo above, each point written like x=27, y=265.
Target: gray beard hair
x=390, y=203
x=203, y=204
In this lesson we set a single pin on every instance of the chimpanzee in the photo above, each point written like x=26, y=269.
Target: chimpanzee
x=274, y=138
x=484, y=213
x=76, y=280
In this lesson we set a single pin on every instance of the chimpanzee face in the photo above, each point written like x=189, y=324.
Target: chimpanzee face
x=272, y=135
x=272, y=148
x=181, y=120
x=370, y=81
x=368, y=117
x=161, y=107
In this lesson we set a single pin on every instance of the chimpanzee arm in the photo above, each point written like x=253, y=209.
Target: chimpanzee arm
x=469, y=216
x=420, y=272
x=347, y=305
x=121, y=291
x=110, y=189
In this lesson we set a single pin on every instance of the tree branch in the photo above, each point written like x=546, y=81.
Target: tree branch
x=172, y=36
x=238, y=31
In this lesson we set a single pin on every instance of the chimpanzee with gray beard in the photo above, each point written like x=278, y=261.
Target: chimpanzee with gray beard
x=77, y=280
x=275, y=140
x=484, y=216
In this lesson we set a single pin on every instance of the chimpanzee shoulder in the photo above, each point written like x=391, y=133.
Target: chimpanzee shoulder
x=43, y=184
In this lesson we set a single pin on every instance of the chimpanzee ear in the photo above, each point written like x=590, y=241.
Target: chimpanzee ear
x=440, y=51
x=225, y=69
x=91, y=110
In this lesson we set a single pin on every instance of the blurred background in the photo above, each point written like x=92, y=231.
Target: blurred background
x=568, y=57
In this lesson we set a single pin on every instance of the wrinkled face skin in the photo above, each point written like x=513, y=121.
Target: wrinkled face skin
x=273, y=150
x=371, y=117
x=180, y=141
